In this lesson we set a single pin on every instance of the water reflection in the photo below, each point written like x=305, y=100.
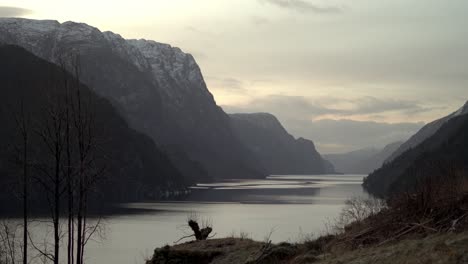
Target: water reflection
x=279, y=189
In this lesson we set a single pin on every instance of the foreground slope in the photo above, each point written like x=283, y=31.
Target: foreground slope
x=136, y=167
x=158, y=88
x=445, y=248
x=275, y=148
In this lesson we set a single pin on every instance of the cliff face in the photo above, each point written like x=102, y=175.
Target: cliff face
x=158, y=88
x=275, y=148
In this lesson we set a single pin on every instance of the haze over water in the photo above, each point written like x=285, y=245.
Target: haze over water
x=292, y=206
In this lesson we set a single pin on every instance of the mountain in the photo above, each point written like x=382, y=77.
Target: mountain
x=158, y=89
x=362, y=161
x=135, y=167
x=440, y=155
x=426, y=131
x=275, y=148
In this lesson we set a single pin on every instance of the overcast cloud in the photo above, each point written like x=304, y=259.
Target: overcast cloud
x=302, y=6
x=306, y=117
x=9, y=11
x=338, y=136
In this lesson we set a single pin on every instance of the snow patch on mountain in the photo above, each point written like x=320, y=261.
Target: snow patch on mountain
x=167, y=64
x=166, y=60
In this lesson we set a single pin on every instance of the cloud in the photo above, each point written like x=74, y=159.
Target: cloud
x=199, y=31
x=226, y=83
x=306, y=117
x=193, y=29
x=258, y=20
x=10, y=11
x=301, y=107
x=373, y=105
x=338, y=136
x=232, y=84
x=302, y=6
x=285, y=106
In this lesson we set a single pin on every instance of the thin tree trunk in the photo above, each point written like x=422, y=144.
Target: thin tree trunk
x=83, y=236
x=23, y=124
x=70, y=216
x=79, y=239
x=70, y=248
x=70, y=209
x=57, y=206
x=25, y=201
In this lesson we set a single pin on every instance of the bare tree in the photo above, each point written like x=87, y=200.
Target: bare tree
x=23, y=126
x=9, y=243
x=58, y=154
x=25, y=134
x=69, y=169
x=51, y=132
x=83, y=120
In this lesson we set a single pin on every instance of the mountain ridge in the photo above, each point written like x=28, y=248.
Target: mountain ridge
x=440, y=155
x=158, y=88
x=426, y=131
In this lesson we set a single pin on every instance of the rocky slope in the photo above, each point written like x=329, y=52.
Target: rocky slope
x=275, y=148
x=158, y=88
x=362, y=161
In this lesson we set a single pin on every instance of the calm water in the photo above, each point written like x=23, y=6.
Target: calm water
x=293, y=206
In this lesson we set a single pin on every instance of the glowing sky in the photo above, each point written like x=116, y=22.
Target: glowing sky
x=367, y=61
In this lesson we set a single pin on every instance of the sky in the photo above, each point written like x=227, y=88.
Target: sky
x=346, y=74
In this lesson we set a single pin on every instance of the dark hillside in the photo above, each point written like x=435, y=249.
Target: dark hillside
x=437, y=156
x=135, y=168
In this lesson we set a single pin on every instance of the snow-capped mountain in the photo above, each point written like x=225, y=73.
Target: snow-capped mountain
x=158, y=88
x=426, y=132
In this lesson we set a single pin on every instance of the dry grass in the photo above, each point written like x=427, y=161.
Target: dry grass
x=437, y=205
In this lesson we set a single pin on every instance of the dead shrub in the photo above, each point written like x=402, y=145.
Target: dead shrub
x=200, y=233
x=356, y=210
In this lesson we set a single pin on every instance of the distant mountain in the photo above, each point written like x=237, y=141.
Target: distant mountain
x=362, y=161
x=275, y=148
x=158, y=88
x=135, y=167
x=426, y=131
x=348, y=162
x=440, y=154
